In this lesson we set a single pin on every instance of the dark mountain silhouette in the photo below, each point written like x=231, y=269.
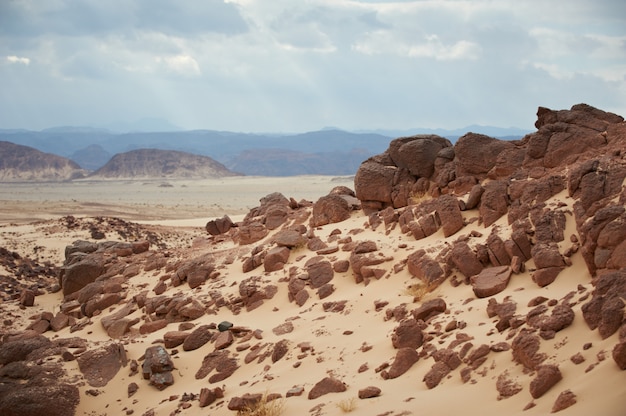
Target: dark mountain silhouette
x=156, y=163
x=23, y=163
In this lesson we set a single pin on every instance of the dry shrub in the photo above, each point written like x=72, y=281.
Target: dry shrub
x=264, y=408
x=419, y=290
x=347, y=405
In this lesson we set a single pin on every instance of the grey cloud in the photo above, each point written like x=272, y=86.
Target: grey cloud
x=95, y=17
x=323, y=26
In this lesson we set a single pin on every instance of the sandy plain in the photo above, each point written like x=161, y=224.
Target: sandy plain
x=154, y=199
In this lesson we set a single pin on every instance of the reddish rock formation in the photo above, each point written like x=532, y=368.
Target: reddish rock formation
x=325, y=386
x=491, y=281
x=547, y=376
x=157, y=367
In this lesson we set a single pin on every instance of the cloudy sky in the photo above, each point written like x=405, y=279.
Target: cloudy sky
x=300, y=65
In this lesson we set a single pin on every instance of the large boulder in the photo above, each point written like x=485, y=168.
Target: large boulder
x=477, y=154
x=417, y=154
x=330, y=209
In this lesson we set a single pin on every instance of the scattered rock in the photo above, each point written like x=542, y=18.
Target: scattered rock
x=325, y=386
x=491, y=281
x=547, y=376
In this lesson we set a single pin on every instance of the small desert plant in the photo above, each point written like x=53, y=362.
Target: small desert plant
x=419, y=290
x=347, y=405
x=416, y=198
x=264, y=407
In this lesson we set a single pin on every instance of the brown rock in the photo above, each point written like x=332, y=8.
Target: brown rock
x=245, y=402
x=465, y=259
x=547, y=376
x=325, y=290
x=562, y=316
x=405, y=358
x=547, y=255
x=449, y=215
x=99, y=366
x=276, y=258
x=219, y=225
x=619, y=354
x=473, y=199
x=290, y=239
x=373, y=183
x=605, y=309
x=369, y=392
x=173, y=339
x=525, y=349
x=320, y=273
x=494, y=202
x=221, y=362
x=498, y=255
x=209, y=396
x=407, y=334
x=301, y=297
x=59, y=321
x=41, y=400
x=491, y=281
x=224, y=340
x=544, y=277
x=325, y=386
x=251, y=232
x=283, y=329
x=423, y=267
x=566, y=399
x=18, y=349
x=152, y=326
x=76, y=276
x=197, y=338
x=330, y=209
x=280, y=349
x=476, y=154
x=429, y=309
x=27, y=297
x=507, y=387
x=436, y=373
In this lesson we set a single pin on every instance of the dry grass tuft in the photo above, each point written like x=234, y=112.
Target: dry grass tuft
x=419, y=290
x=265, y=408
x=347, y=405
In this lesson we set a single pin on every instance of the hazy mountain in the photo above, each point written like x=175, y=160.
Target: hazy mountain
x=91, y=157
x=156, y=163
x=328, y=151
x=23, y=163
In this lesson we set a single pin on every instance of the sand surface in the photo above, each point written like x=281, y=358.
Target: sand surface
x=154, y=199
x=343, y=343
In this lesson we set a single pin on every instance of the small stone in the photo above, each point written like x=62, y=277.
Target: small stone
x=369, y=392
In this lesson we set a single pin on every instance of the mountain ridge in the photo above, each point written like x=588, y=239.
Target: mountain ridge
x=228, y=148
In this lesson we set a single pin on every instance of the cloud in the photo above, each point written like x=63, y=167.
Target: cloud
x=257, y=65
x=18, y=60
x=181, y=64
x=91, y=17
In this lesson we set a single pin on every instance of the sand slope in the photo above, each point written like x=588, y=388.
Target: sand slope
x=349, y=345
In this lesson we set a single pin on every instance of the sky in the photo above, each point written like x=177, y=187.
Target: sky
x=302, y=65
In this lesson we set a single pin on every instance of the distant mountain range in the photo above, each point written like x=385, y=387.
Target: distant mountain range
x=328, y=151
